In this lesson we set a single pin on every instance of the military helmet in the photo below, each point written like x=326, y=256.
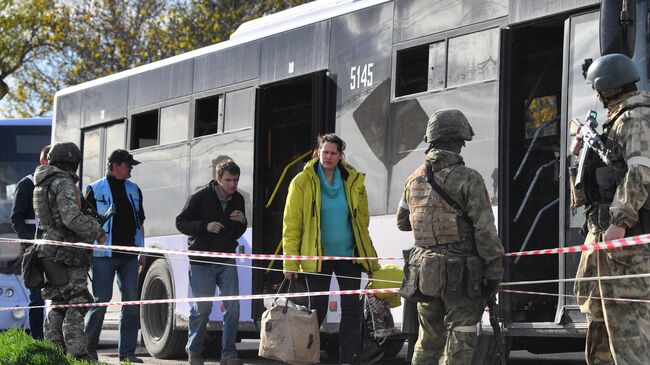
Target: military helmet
x=448, y=124
x=611, y=72
x=64, y=153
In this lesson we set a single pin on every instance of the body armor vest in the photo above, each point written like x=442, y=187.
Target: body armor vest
x=49, y=218
x=606, y=180
x=433, y=220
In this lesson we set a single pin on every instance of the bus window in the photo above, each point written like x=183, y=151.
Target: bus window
x=174, y=123
x=144, y=129
x=239, y=113
x=412, y=70
x=437, y=65
x=92, y=168
x=209, y=115
x=115, y=137
x=473, y=58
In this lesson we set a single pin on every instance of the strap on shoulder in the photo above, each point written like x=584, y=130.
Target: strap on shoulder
x=451, y=201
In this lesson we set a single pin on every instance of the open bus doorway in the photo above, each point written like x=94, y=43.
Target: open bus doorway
x=530, y=165
x=290, y=115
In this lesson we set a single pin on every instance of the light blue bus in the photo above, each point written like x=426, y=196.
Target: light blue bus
x=21, y=141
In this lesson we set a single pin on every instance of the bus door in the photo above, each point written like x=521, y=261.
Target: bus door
x=289, y=116
x=581, y=44
x=531, y=92
x=543, y=89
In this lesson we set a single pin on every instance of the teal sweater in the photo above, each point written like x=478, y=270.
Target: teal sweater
x=337, y=237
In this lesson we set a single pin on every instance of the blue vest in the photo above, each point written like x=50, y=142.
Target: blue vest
x=104, y=199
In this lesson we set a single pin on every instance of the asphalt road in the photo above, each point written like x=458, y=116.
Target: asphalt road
x=248, y=352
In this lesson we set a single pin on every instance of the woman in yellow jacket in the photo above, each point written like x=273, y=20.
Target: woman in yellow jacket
x=326, y=214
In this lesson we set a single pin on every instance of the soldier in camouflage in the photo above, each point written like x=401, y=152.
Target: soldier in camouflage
x=617, y=206
x=464, y=240
x=57, y=203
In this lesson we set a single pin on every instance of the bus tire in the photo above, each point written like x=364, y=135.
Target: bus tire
x=157, y=320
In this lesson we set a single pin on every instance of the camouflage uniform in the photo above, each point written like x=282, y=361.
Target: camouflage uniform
x=618, y=331
x=57, y=205
x=448, y=323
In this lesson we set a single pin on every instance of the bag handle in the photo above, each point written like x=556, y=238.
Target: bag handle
x=289, y=291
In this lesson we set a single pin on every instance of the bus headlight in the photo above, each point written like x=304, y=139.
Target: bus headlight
x=18, y=314
x=9, y=293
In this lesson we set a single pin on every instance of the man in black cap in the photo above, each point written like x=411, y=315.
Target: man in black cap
x=124, y=228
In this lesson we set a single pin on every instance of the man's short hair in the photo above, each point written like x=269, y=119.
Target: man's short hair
x=44, y=152
x=227, y=165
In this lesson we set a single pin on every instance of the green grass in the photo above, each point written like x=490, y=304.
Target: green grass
x=19, y=348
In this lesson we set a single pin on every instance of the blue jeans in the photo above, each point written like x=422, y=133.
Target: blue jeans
x=104, y=269
x=203, y=280
x=36, y=315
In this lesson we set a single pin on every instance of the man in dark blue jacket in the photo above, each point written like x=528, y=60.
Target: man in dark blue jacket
x=23, y=219
x=214, y=219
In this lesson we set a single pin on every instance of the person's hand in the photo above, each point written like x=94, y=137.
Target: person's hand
x=238, y=216
x=614, y=232
x=576, y=145
x=141, y=261
x=215, y=227
x=291, y=275
x=491, y=287
x=102, y=238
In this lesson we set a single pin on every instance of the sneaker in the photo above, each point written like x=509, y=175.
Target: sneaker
x=195, y=359
x=132, y=359
x=231, y=361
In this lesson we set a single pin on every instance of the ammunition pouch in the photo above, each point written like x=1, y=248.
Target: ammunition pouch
x=31, y=271
x=464, y=276
x=429, y=274
x=410, y=286
x=55, y=272
x=431, y=279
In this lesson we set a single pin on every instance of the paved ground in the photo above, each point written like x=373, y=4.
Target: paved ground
x=248, y=352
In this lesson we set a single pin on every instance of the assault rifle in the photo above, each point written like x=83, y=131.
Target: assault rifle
x=90, y=210
x=496, y=327
x=592, y=142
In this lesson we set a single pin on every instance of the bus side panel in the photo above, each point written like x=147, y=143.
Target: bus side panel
x=67, y=120
x=415, y=19
x=360, y=62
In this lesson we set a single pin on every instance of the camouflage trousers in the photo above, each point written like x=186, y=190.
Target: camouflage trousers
x=65, y=326
x=618, y=331
x=447, y=332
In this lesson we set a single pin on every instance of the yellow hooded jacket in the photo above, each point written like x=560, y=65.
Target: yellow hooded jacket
x=301, y=223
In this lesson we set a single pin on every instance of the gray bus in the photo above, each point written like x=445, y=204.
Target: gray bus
x=372, y=71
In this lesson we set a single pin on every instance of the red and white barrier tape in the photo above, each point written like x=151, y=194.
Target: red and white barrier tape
x=605, y=245
x=154, y=250
x=625, y=300
x=213, y=299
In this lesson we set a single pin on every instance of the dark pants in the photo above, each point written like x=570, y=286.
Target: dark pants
x=36, y=315
x=349, y=336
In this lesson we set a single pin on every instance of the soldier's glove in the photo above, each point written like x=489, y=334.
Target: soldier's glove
x=491, y=287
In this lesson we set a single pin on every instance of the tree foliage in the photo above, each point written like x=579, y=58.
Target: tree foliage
x=50, y=44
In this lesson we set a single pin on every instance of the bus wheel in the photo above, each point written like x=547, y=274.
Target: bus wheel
x=157, y=320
